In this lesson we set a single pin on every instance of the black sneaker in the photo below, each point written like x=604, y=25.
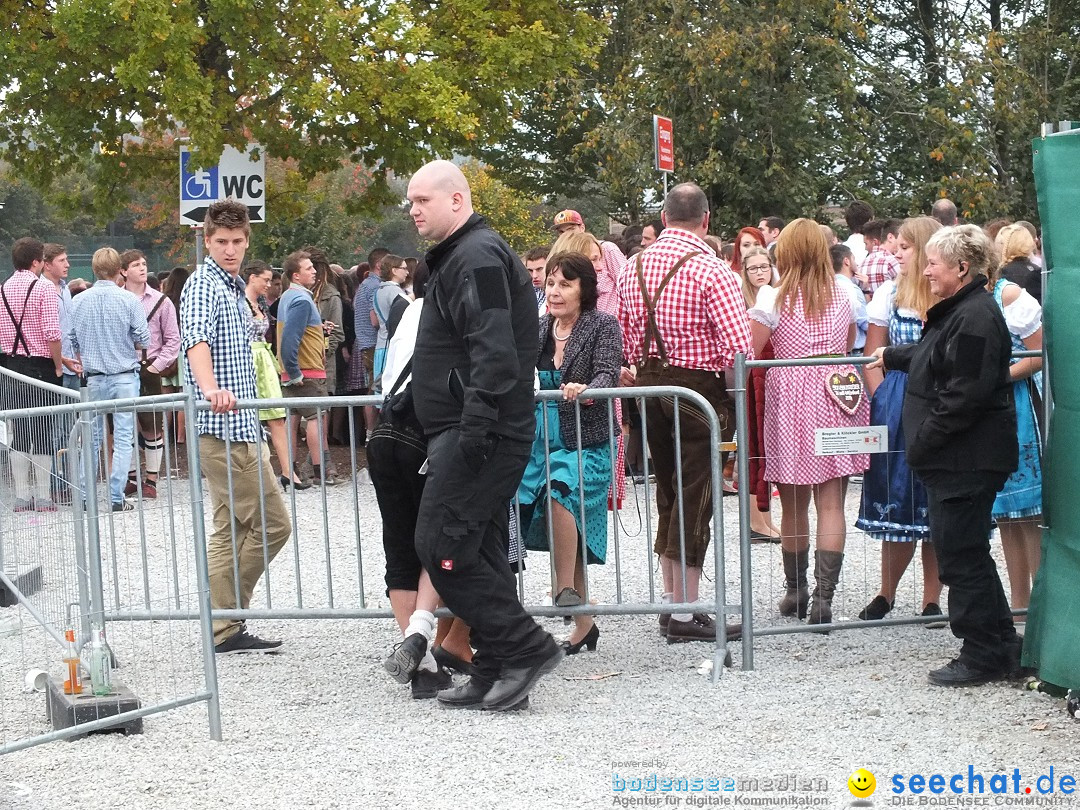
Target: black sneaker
x=123, y=506
x=245, y=642
x=406, y=657
x=426, y=685
x=959, y=673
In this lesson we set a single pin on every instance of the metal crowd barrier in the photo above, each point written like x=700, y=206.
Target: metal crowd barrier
x=861, y=572
x=86, y=555
x=143, y=574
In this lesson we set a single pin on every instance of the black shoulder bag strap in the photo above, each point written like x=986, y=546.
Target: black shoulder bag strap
x=19, y=337
x=652, y=331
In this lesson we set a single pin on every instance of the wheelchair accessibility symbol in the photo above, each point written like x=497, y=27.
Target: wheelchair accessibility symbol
x=197, y=185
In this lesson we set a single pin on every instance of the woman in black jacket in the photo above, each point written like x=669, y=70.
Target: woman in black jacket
x=580, y=347
x=960, y=427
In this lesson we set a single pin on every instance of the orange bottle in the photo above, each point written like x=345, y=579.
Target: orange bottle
x=73, y=685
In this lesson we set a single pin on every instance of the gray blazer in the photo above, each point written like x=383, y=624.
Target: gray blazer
x=593, y=355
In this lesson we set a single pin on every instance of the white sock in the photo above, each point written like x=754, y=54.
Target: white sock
x=423, y=622
x=20, y=472
x=682, y=617
x=155, y=449
x=665, y=598
x=428, y=663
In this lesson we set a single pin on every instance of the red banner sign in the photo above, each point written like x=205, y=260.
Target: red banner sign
x=664, y=143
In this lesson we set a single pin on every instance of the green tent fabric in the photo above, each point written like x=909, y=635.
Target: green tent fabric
x=1052, y=639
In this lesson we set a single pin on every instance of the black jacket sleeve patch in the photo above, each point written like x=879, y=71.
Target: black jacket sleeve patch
x=969, y=354
x=491, y=288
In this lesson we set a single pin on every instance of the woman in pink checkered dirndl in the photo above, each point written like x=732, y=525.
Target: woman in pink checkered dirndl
x=808, y=315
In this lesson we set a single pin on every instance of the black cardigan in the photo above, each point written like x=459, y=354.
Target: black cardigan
x=959, y=413
x=593, y=355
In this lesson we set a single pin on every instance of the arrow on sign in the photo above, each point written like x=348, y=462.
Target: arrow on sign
x=255, y=213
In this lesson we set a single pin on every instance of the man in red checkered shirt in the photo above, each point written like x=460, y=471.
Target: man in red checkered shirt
x=879, y=265
x=700, y=324
x=30, y=343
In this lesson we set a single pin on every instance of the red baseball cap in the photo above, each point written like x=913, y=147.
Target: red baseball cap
x=568, y=217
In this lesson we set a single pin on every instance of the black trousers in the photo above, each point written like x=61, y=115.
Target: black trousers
x=960, y=504
x=461, y=537
x=394, y=461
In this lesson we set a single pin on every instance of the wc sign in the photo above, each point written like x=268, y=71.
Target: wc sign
x=237, y=174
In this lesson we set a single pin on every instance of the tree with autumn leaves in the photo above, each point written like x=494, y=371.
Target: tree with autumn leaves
x=380, y=84
x=785, y=108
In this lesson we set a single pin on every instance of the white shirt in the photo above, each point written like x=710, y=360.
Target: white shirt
x=858, y=247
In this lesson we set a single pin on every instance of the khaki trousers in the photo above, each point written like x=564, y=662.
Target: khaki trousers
x=234, y=573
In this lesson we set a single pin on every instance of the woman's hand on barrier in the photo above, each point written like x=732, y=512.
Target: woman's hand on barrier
x=879, y=361
x=570, y=391
x=221, y=400
x=627, y=377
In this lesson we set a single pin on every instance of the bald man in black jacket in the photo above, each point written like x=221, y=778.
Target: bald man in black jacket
x=473, y=393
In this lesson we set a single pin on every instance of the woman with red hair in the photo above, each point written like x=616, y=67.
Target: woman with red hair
x=747, y=238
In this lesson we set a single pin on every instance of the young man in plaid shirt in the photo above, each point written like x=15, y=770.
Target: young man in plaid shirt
x=700, y=324
x=215, y=340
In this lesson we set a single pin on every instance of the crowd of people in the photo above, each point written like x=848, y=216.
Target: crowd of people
x=459, y=342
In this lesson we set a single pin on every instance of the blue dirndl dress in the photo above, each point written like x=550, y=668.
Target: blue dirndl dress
x=894, y=504
x=1022, y=494
x=565, y=483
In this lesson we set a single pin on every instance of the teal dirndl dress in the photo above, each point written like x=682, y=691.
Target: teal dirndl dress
x=568, y=480
x=1022, y=494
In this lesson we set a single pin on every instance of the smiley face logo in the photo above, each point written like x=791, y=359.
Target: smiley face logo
x=862, y=783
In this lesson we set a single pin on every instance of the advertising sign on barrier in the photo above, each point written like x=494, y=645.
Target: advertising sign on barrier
x=843, y=441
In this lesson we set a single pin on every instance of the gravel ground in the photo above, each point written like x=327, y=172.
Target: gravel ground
x=322, y=725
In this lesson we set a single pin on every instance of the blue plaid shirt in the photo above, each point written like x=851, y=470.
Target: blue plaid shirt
x=105, y=324
x=213, y=311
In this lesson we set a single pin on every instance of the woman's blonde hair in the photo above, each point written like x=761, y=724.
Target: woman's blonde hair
x=802, y=257
x=912, y=287
x=1014, y=242
x=748, y=290
x=575, y=242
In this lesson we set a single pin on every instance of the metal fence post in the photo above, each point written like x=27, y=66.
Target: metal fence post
x=742, y=427
x=198, y=532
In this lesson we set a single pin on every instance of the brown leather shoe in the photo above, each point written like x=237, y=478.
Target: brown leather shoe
x=700, y=628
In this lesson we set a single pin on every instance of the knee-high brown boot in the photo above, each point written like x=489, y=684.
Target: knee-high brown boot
x=797, y=597
x=827, y=573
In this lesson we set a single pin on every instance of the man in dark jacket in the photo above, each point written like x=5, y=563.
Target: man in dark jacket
x=473, y=393
x=960, y=436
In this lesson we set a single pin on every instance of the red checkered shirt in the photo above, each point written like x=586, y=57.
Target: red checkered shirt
x=40, y=325
x=879, y=266
x=701, y=314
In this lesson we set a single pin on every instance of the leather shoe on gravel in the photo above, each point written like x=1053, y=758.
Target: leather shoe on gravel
x=514, y=684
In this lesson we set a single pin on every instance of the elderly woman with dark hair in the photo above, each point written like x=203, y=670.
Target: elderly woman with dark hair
x=580, y=348
x=961, y=439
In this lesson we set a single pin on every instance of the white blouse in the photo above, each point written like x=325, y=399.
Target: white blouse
x=1024, y=315
x=879, y=310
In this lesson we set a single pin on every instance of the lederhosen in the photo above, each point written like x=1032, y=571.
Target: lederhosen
x=33, y=435
x=694, y=432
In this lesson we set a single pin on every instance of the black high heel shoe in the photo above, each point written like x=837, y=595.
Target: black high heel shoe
x=589, y=642
x=285, y=483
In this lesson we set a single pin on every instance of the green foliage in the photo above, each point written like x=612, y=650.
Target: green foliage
x=517, y=217
x=790, y=107
x=383, y=84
